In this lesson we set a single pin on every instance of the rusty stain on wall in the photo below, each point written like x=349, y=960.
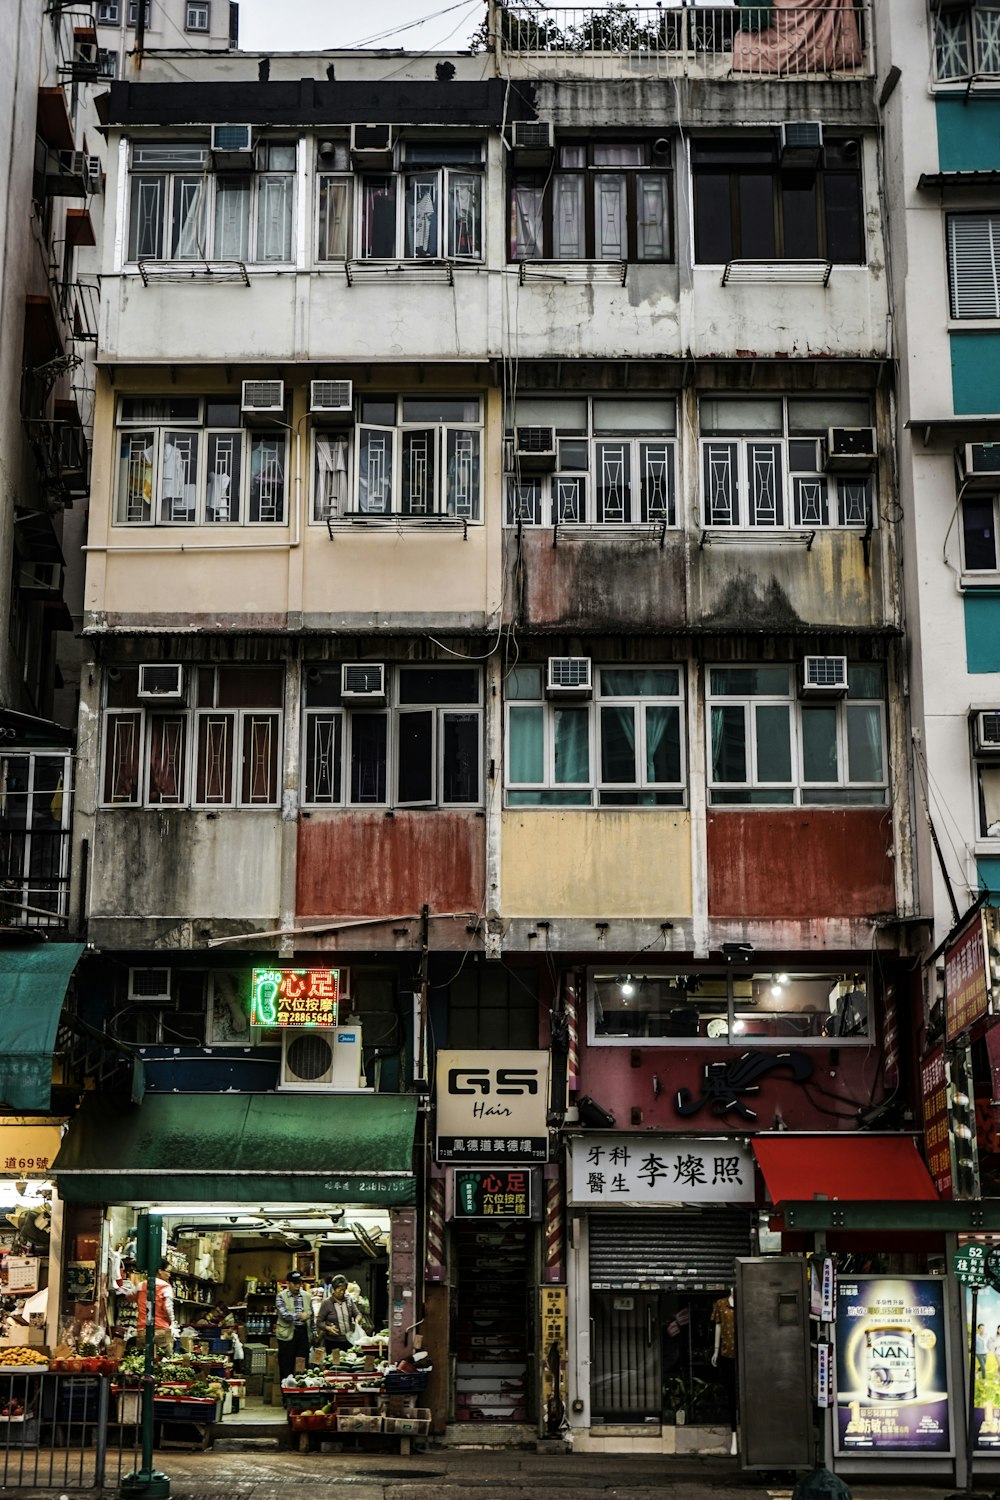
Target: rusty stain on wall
x=366, y=864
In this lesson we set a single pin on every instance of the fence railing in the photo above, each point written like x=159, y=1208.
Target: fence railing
x=766, y=40
x=53, y=1430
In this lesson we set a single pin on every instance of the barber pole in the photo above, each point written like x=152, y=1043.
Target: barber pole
x=435, y=1269
x=573, y=1055
x=554, y=1269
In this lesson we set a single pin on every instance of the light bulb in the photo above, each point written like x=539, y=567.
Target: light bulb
x=628, y=988
x=739, y=1026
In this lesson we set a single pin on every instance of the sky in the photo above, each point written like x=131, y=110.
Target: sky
x=311, y=25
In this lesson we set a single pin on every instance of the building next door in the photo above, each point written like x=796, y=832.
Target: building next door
x=493, y=1331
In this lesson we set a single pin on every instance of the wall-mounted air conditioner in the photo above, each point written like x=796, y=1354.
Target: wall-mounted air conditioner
x=535, y=448
x=824, y=676
x=850, y=450
x=331, y=399
x=801, y=144
x=263, y=396
x=568, y=677
x=986, y=731
x=86, y=60
x=533, y=141
x=94, y=173
x=161, y=682
x=372, y=145
x=232, y=146
x=980, y=463
x=319, y=1060
x=149, y=986
x=363, y=682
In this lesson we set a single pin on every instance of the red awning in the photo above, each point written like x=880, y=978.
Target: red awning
x=857, y=1168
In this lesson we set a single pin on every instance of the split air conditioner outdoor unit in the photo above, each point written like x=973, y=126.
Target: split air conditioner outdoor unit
x=824, y=676
x=331, y=398
x=568, y=677
x=980, y=463
x=986, y=731
x=535, y=448
x=372, y=145
x=161, y=682
x=363, y=682
x=149, y=986
x=263, y=396
x=321, y=1060
x=850, y=450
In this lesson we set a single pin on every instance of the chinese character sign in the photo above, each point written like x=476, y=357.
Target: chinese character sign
x=493, y=1193
x=937, y=1147
x=966, y=979
x=295, y=997
x=659, y=1169
x=28, y=1150
x=892, y=1365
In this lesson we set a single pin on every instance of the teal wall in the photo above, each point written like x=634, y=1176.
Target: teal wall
x=975, y=371
x=989, y=874
x=982, y=631
x=968, y=134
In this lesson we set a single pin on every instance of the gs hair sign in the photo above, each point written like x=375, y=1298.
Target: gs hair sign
x=492, y=1106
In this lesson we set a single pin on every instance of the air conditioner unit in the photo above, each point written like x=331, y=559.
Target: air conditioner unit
x=362, y=682
x=372, y=145
x=986, y=731
x=161, y=682
x=331, y=398
x=232, y=147
x=801, y=144
x=86, y=60
x=73, y=163
x=94, y=173
x=850, y=450
x=263, y=396
x=319, y=1060
x=535, y=447
x=533, y=141
x=149, y=986
x=568, y=677
x=980, y=464
x=40, y=578
x=824, y=676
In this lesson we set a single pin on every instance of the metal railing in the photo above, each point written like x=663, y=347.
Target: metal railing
x=53, y=1430
x=768, y=40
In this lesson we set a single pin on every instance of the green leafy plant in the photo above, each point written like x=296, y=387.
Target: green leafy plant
x=688, y=1395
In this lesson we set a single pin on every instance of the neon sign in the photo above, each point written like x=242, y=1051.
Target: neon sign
x=295, y=997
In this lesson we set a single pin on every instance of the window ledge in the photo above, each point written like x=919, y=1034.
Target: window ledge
x=441, y=272
x=803, y=272
x=724, y=536
x=610, y=272
x=973, y=325
x=980, y=583
x=188, y=270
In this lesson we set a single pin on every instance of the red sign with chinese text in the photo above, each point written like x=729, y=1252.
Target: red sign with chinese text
x=937, y=1148
x=966, y=979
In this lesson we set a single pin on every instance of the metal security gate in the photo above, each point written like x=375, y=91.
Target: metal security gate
x=654, y=1278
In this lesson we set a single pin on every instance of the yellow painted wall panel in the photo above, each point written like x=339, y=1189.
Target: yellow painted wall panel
x=559, y=862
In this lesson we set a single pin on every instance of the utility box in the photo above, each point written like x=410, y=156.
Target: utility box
x=775, y=1369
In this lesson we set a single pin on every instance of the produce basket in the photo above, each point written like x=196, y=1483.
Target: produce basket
x=399, y=1380
x=359, y=1421
x=313, y=1421
x=416, y=1422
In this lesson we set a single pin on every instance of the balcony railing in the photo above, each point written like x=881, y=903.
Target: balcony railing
x=61, y=455
x=812, y=38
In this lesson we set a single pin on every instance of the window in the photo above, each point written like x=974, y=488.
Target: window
x=109, y=12
x=424, y=749
x=665, y=1005
x=187, y=461
x=197, y=18
x=492, y=1005
x=966, y=41
x=416, y=458
x=35, y=807
x=974, y=265
x=220, y=748
x=334, y=202
x=180, y=209
x=762, y=463
x=133, y=12
x=107, y=63
x=623, y=749
x=979, y=533
x=746, y=206
x=431, y=208
x=175, y=1022
x=613, y=465
x=604, y=200
x=769, y=748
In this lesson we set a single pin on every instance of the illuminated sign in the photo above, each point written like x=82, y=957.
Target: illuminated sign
x=493, y=1194
x=295, y=997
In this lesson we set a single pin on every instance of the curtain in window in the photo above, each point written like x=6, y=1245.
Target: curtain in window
x=527, y=745
x=331, y=477
x=274, y=217
x=729, y=744
x=864, y=743
x=136, y=476
x=421, y=227
x=989, y=793
x=654, y=217
x=260, y=759
x=232, y=220
x=121, y=758
x=146, y=230
x=527, y=236
x=618, y=744
x=334, y=218
x=610, y=217
x=188, y=238
x=568, y=217
x=378, y=217
x=465, y=193
x=804, y=36
x=572, y=745
x=167, y=736
x=267, y=479
x=663, y=744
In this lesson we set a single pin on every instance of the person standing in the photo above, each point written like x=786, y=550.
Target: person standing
x=294, y=1308
x=337, y=1316
x=163, y=1310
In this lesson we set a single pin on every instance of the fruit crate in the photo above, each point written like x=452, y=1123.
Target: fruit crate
x=313, y=1421
x=359, y=1421
x=399, y=1381
x=416, y=1423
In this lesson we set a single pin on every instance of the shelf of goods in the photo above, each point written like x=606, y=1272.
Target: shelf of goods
x=358, y=1402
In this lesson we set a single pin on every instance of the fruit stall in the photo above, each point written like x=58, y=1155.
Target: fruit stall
x=357, y=1397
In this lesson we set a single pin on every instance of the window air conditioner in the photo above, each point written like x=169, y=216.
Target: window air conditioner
x=533, y=141
x=362, y=682
x=850, y=450
x=824, y=676
x=321, y=1060
x=535, y=447
x=86, y=60
x=94, y=173
x=149, y=986
x=331, y=398
x=232, y=146
x=986, y=731
x=263, y=396
x=161, y=682
x=372, y=145
x=801, y=144
x=73, y=163
x=568, y=676
x=980, y=463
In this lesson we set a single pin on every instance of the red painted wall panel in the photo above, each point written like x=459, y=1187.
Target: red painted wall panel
x=800, y=862
x=367, y=865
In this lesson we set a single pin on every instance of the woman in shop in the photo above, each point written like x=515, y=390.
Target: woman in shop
x=294, y=1308
x=163, y=1310
x=337, y=1316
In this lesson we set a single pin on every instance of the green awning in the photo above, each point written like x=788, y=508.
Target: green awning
x=241, y=1148
x=33, y=985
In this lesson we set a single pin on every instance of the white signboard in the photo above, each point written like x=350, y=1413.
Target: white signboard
x=657, y=1169
x=492, y=1106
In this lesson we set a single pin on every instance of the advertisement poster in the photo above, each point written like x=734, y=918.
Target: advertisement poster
x=986, y=1421
x=966, y=979
x=892, y=1366
x=492, y=1107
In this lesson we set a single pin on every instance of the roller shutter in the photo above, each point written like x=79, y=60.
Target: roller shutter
x=667, y=1251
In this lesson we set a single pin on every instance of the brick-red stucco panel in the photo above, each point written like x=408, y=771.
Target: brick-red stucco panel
x=368, y=865
x=800, y=862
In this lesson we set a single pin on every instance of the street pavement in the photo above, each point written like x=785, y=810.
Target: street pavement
x=470, y=1474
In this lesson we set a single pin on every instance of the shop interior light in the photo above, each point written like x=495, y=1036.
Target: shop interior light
x=627, y=987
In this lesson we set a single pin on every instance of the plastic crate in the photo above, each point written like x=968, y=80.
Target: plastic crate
x=416, y=1422
x=359, y=1421
x=315, y=1422
x=255, y=1356
x=398, y=1381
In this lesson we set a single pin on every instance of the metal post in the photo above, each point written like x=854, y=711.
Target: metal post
x=147, y=1483
x=972, y=1389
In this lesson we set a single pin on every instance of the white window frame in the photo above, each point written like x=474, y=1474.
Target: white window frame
x=133, y=12
x=594, y=785
x=198, y=8
x=401, y=175
x=108, y=12
x=980, y=575
x=804, y=793
x=966, y=43
x=322, y=237
x=973, y=265
x=199, y=508
x=443, y=431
